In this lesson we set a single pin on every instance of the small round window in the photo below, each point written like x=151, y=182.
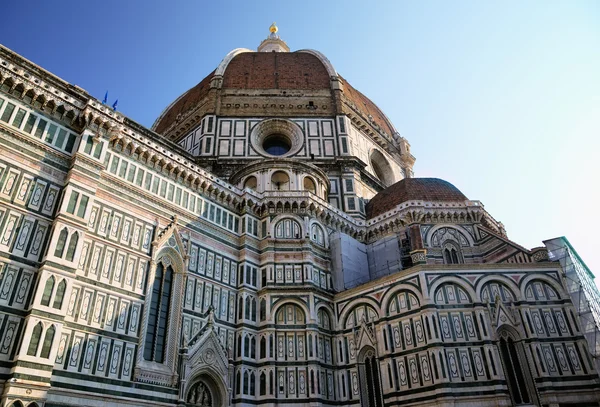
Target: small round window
x=276, y=144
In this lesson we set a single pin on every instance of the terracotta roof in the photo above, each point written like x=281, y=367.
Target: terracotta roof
x=412, y=189
x=276, y=70
x=187, y=101
x=272, y=70
x=365, y=105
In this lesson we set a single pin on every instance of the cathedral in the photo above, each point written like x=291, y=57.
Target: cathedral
x=266, y=243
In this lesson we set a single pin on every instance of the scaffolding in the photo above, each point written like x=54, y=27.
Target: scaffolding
x=582, y=289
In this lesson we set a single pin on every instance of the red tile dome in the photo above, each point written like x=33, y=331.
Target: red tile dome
x=301, y=71
x=413, y=189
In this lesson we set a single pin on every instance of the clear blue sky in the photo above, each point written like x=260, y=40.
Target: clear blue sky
x=500, y=98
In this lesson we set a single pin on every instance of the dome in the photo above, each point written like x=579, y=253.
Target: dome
x=413, y=189
x=256, y=75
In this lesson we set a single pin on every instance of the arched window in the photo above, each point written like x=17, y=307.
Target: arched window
x=47, y=346
x=240, y=307
x=263, y=348
x=451, y=253
x=246, y=383
x=323, y=319
x=309, y=185
x=246, y=346
x=263, y=310
x=381, y=168
x=250, y=182
x=60, y=294
x=34, y=342
x=72, y=246
x=156, y=334
x=253, y=310
x=280, y=181
x=48, y=288
x=516, y=369
x=288, y=229
x=271, y=382
x=247, y=309
x=263, y=384
x=238, y=382
x=317, y=235
x=270, y=346
x=253, y=348
x=252, y=384
x=369, y=378
x=62, y=241
x=290, y=314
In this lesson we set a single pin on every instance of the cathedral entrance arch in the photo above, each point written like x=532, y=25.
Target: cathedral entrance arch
x=205, y=392
x=370, y=383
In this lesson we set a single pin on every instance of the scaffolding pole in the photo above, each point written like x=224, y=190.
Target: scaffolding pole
x=582, y=289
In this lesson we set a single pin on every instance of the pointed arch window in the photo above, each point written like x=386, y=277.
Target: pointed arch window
x=451, y=253
x=34, y=342
x=48, y=339
x=263, y=384
x=62, y=241
x=263, y=348
x=60, y=294
x=48, y=288
x=72, y=246
x=518, y=377
x=369, y=378
x=156, y=333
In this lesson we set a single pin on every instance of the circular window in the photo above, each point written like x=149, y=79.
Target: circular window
x=277, y=138
x=276, y=144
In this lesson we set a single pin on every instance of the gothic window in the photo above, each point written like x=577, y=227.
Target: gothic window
x=247, y=309
x=288, y=229
x=156, y=334
x=271, y=346
x=48, y=339
x=199, y=395
x=263, y=348
x=62, y=241
x=317, y=235
x=253, y=310
x=72, y=246
x=252, y=384
x=263, y=310
x=516, y=369
x=246, y=383
x=451, y=253
x=271, y=382
x=60, y=294
x=246, y=346
x=263, y=278
x=240, y=308
x=34, y=342
x=369, y=379
x=323, y=319
x=262, y=384
x=253, y=349
x=48, y=288
x=238, y=382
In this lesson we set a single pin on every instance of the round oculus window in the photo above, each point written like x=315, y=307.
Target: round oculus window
x=277, y=144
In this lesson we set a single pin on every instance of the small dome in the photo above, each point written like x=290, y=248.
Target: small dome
x=413, y=189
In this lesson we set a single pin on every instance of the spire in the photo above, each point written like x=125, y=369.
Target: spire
x=273, y=43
